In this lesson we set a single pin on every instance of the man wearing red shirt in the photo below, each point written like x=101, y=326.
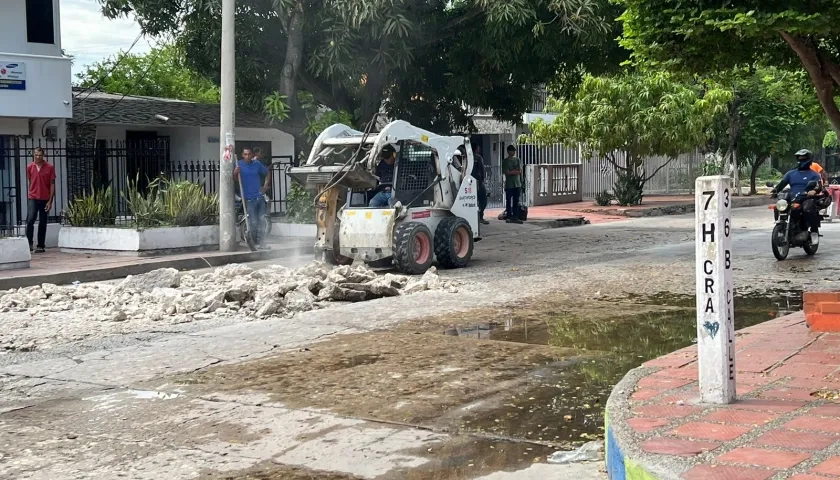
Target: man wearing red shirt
x=41, y=176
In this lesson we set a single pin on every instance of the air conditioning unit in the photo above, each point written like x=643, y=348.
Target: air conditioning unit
x=51, y=133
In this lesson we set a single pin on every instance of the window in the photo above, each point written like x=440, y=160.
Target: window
x=39, y=21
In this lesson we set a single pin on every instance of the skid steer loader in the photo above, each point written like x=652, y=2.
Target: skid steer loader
x=433, y=209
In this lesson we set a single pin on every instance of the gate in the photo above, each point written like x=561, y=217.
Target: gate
x=544, y=186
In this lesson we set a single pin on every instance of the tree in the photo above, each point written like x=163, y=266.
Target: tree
x=639, y=115
x=350, y=55
x=772, y=113
x=706, y=36
x=159, y=73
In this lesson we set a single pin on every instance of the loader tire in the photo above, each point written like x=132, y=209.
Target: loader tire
x=413, y=248
x=453, y=243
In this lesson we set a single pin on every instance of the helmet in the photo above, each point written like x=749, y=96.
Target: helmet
x=804, y=158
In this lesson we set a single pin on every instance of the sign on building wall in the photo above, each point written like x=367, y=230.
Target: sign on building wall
x=12, y=75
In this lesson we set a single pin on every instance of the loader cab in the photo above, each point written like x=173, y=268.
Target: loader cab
x=415, y=170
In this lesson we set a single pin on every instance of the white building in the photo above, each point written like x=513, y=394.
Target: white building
x=35, y=93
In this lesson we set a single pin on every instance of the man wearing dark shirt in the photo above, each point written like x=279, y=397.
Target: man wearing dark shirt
x=480, y=174
x=385, y=172
x=250, y=171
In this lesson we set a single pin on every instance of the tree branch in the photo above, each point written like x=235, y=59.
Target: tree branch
x=821, y=78
x=645, y=180
x=451, y=27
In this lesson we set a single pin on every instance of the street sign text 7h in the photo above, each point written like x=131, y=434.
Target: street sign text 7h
x=715, y=297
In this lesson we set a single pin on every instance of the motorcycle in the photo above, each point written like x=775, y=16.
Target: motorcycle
x=791, y=229
x=242, y=222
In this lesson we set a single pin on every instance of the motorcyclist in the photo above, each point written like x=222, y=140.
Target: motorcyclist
x=798, y=179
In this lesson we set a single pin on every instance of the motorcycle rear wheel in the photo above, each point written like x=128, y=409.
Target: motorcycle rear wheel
x=779, y=242
x=810, y=249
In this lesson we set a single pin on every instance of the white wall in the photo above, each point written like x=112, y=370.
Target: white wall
x=13, y=33
x=281, y=142
x=48, y=75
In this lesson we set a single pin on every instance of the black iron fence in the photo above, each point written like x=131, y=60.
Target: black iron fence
x=86, y=165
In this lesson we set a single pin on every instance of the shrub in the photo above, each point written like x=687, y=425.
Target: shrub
x=186, y=205
x=628, y=187
x=169, y=202
x=300, y=205
x=147, y=208
x=94, y=209
x=604, y=198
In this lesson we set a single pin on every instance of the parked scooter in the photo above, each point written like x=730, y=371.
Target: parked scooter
x=791, y=229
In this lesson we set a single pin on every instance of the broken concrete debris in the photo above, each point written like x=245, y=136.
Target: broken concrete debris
x=177, y=297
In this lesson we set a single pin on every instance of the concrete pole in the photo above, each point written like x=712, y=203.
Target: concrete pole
x=227, y=214
x=715, y=296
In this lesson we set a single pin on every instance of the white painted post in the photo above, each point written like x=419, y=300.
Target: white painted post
x=715, y=300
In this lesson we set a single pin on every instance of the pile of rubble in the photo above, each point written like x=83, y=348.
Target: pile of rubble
x=230, y=290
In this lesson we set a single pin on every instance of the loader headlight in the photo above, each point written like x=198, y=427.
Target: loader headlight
x=782, y=205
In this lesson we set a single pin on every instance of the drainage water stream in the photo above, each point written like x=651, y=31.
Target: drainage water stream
x=564, y=406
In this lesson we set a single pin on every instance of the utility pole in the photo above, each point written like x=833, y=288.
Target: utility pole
x=227, y=215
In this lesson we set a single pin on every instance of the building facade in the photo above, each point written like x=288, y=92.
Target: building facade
x=35, y=94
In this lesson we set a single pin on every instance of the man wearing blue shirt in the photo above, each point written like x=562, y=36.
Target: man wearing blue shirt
x=798, y=179
x=250, y=171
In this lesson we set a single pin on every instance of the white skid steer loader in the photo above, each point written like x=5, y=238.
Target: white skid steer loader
x=432, y=212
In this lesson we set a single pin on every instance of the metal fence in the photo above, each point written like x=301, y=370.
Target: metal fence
x=674, y=177
x=81, y=166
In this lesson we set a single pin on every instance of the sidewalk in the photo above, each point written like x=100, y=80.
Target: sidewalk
x=785, y=424
x=652, y=206
x=63, y=268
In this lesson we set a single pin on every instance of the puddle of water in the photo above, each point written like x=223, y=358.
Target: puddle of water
x=565, y=405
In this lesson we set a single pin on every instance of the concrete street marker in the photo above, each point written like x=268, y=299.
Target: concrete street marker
x=715, y=299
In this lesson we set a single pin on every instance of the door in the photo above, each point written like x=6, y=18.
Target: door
x=146, y=157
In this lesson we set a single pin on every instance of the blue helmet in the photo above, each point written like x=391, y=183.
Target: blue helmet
x=804, y=158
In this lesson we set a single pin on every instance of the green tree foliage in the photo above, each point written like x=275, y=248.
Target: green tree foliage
x=706, y=36
x=427, y=58
x=160, y=73
x=639, y=115
x=773, y=113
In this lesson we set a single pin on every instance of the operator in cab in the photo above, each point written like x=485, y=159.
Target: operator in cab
x=798, y=180
x=385, y=172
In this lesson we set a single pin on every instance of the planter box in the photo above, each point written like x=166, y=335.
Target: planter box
x=131, y=242
x=52, y=233
x=14, y=253
x=294, y=230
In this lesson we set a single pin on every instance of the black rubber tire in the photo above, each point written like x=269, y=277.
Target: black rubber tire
x=246, y=235
x=383, y=263
x=810, y=249
x=779, y=251
x=445, y=238
x=332, y=257
x=406, y=237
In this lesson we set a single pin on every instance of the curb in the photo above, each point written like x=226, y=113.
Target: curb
x=623, y=460
x=678, y=209
x=111, y=273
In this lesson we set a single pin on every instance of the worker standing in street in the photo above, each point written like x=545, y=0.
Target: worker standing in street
x=480, y=174
x=249, y=172
x=512, y=168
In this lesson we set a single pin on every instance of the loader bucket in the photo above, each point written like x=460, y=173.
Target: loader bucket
x=310, y=177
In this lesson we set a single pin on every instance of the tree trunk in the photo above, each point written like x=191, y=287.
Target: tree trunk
x=820, y=71
x=754, y=173
x=296, y=123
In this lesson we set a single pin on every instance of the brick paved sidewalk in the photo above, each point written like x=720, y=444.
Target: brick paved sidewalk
x=779, y=428
x=656, y=205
